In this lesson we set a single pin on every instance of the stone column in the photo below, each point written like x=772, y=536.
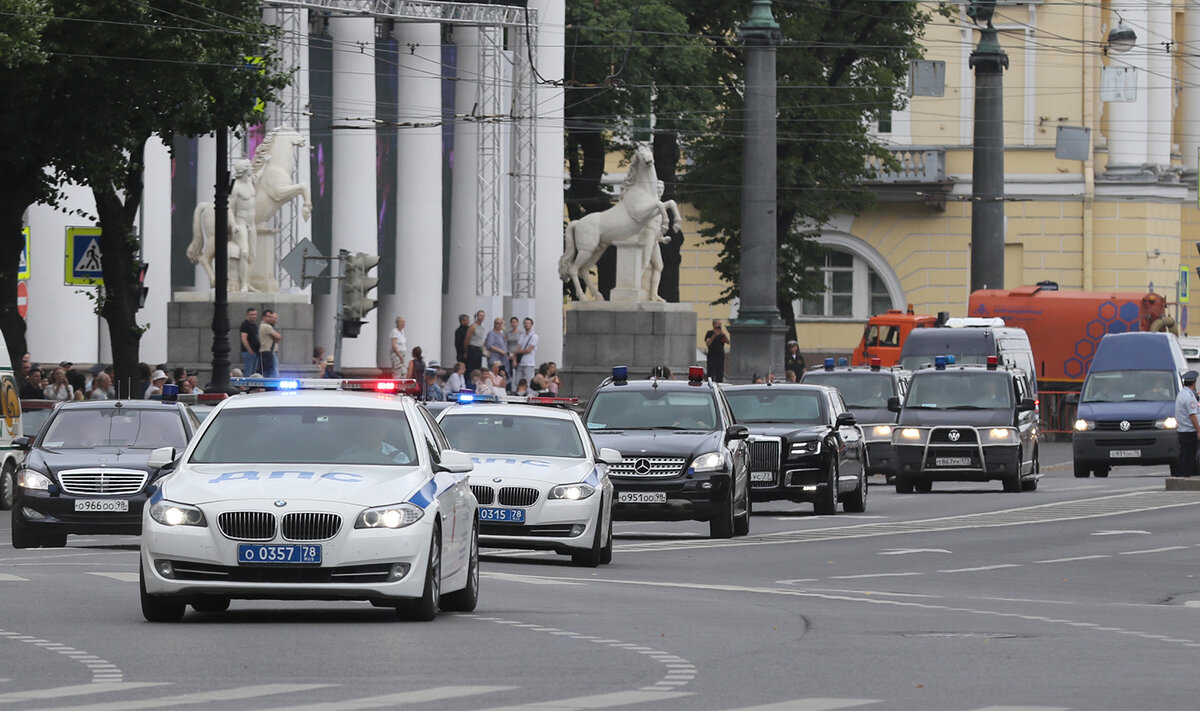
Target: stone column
x=1190, y=96
x=206, y=176
x=1127, y=120
x=1160, y=104
x=548, y=212
x=354, y=179
x=418, y=196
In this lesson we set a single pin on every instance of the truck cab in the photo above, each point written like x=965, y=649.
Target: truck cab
x=884, y=336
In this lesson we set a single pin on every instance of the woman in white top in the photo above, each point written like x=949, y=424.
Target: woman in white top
x=399, y=349
x=58, y=388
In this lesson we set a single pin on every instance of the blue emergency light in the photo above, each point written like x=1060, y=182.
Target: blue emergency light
x=829, y=363
x=170, y=392
x=620, y=374
x=843, y=361
x=940, y=362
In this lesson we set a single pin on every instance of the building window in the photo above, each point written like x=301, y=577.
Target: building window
x=853, y=290
x=884, y=125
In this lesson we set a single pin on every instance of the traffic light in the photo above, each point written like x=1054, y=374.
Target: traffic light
x=356, y=283
x=143, y=290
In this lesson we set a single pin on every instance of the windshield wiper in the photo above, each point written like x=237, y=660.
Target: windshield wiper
x=972, y=407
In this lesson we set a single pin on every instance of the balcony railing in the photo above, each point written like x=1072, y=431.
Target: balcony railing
x=917, y=165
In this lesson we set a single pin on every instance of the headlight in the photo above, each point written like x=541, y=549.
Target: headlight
x=1001, y=434
x=29, y=479
x=572, y=492
x=884, y=431
x=1167, y=423
x=1084, y=425
x=910, y=433
x=709, y=462
x=169, y=513
x=397, y=516
x=806, y=448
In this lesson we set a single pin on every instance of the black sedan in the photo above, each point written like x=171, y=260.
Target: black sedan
x=85, y=471
x=804, y=446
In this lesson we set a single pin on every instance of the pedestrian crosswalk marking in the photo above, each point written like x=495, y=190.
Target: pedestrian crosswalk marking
x=598, y=701
x=74, y=690
x=440, y=693
x=10, y=578
x=243, y=692
x=811, y=705
x=123, y=577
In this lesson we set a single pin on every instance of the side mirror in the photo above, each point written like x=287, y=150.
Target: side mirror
x=1072, y=398
x=608, y=455
x=845, y=419
x=23, y=443
x=1027, y=404
x=455, y=462
x=894, y=404
x=736, y=432
x=161, y=457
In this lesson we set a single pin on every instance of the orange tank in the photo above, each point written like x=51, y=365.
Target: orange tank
x=1065, y=327
x=883, y=338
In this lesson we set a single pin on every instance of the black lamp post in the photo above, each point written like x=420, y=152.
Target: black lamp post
x=987, y=174
x=220, y=320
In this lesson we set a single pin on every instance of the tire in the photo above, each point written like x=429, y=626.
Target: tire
x=1012, y=483
x=8, y=486
x=607, y=550
x=904, y=485
x=590, y=558
x=54, y=540
x=210, y=604
x=826, y=503
x=721, y=523
x=856, y=502
x=741, y=524
x=21, y=536
x=1100, y=472
x=159, y=608
x=923, y=486
x=1029, y=485
x=426, y=607
x=1081, y=471
x=466, y=599
x=1174, y=469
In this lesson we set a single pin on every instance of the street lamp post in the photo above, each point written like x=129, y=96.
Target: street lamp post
x=757, y=334
x=220, y=320
x=987, y=174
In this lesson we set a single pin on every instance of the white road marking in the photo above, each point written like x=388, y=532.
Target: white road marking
x=810, y=705
x=1024, y=708
x=439, y=693
x=123, y=577
x=1071, y=560
x=241, y=692
x=7, y=578
x=906, y=551
x=527, y=579
x=598, y=701
x=981, y=568
x=1120, y=533
x=60, y=692
x=1154, y=550
x=873, y=575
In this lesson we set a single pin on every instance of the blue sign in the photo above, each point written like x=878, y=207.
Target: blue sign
x=23, y=261
x=83, y=262
x=1183, y=284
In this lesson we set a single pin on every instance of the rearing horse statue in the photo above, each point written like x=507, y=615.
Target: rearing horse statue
x=588, y=237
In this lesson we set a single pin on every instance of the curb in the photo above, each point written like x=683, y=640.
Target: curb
x=1175, y=483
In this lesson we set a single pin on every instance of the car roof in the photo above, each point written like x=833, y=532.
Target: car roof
x=516, y=410
x=661, y=384
x=315, y=398
x=791, y=387
x=123, y=404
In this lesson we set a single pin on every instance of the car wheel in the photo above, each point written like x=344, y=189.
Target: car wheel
x=21, y=537
x=210, y=604
x=606, y=551
x=159, y=608
x=826, y=503
x=904, y=485
x=8, y=486
x=856, y=502
x=923, y=486
x=590, y=558
x=721, y=523
x=425, y=608
x=1012, y=484
x=1100, y=472
x=466, y=599
x=741, y=523
x=1081, y=471
x=54, y=540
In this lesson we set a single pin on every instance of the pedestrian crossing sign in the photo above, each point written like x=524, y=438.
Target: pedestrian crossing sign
x=23, y=260
x=83, y=266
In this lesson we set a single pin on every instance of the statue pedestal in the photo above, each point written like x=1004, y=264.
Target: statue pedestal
x=628, y=288
x=601, y=334
x=756, y=347
x=190, y=336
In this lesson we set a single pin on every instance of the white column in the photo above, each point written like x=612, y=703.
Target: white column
x=1127, y=120
x=1160, y=104
x=1190, y=96
x=418, y=296
x=548, y=215
x=461, y=297
x=206, y=189
x=353, y=171
x=154, y=219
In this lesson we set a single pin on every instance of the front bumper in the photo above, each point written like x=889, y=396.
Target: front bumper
x=690, y=497
x=1113, y=447
x=881, y=458
x=554, y=525
x=799, y=479
x=49, y=512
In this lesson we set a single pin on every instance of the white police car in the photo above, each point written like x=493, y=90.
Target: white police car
x=540, y=482
x=321, y=495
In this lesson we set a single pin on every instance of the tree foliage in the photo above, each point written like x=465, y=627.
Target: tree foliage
x=116, y=74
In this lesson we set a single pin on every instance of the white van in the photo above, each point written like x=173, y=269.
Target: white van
x=1190, y=345
x=10, y=428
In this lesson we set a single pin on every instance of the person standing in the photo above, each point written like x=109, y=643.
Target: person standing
x=33, y=384
x=715, y=339
x=399, y=350
x=58, y=388
x=496, y=345
x=250, y=343
x=793, y=361
x=526, y=353
x=416, y=366
x=269, y=338
x=474, y=342
x=513, y=334
x=1186, y=424
x=460, y=338
x=457, y=379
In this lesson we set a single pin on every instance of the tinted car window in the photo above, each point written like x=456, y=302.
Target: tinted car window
x=1126, y=386
x=117, y=427
x=967, y=391
x=775, y=406
x=651, y=409
x=505, y=434
x=307, y=435
x=857, y=389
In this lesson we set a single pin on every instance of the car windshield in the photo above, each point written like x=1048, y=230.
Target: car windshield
x=775, y=406
x=33, y=419
x=913, y=362
x=859, y=390
x=506, y=434
x=306, y=435
x=618, y=409
x=967, y=390
x=1130, y=385
x=84, y=428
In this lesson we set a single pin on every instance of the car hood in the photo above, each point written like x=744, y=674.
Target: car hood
x=350, y=484
x=786, y=430
x=57, y=460
x=659, y=443
x=516, y=469
x=872, y=415
x=1134, y=410
x=960, y=418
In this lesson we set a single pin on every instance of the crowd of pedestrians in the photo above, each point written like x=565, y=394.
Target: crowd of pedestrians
x=64, y=381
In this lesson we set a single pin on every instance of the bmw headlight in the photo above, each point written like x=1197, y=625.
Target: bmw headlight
x=397, y=516
x=169, y=513
x=30, y=479
x=709, y=462
x=802, y=449
x=1167, y=423
x=572, y=492
x=1001, y=435
x=1084, y=425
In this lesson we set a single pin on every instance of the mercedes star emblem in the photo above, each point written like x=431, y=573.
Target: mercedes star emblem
x=642, y=466
x=954, y=435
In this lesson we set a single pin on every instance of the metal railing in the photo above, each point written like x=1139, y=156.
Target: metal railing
x=917, y=165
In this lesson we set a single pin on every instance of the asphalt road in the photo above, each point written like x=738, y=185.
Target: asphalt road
x=1080, y=595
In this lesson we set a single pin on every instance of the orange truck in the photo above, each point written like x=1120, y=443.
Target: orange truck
x=885, y=333
x=1065, y=327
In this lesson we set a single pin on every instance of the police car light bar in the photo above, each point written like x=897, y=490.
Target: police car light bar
x=876, y=363
x=285, y=383
x=383, y=385
x=620, y=374
x=940, y=362
x=695, y=375
x=465, y=396
x=543, y=400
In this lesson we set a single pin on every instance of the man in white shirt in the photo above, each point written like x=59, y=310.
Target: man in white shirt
x=527, y=350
